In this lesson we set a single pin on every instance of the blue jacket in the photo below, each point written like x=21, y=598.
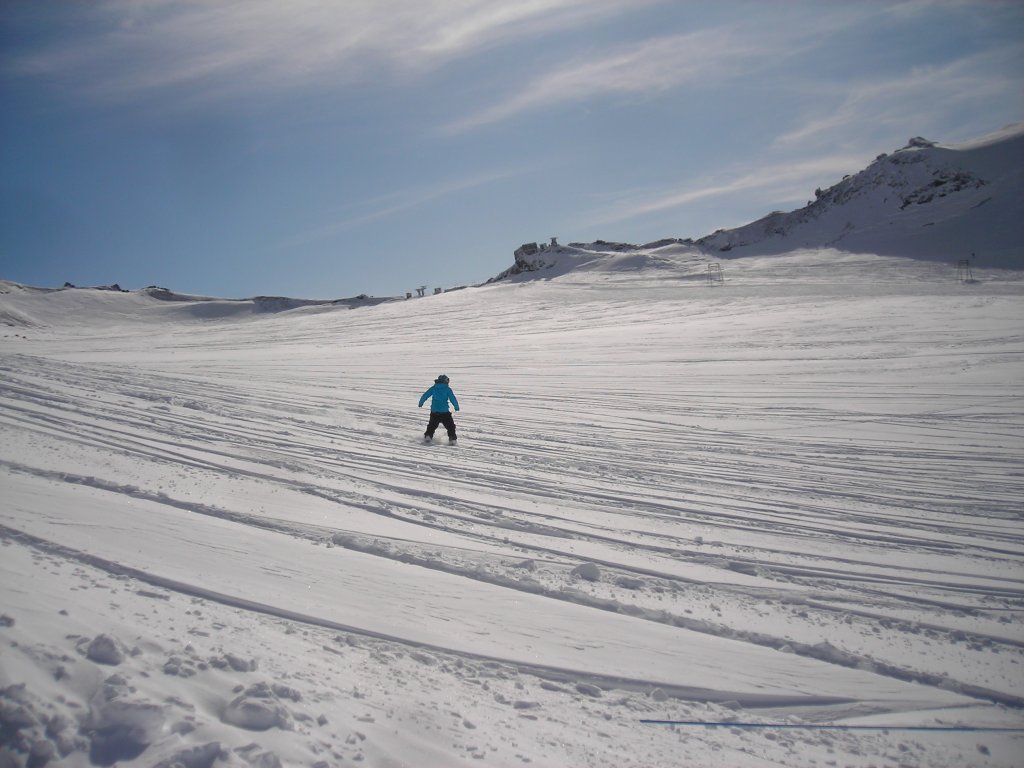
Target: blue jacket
x=441, y=393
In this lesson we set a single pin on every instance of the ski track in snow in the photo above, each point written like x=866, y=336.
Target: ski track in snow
x=827, y=470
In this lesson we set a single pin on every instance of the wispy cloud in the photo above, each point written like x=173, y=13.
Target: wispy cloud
x=775, y=183
x=138, y=46
x=385, y=206
x=706, y=57
x=922, y=96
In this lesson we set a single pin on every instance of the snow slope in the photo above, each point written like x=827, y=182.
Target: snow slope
x=925, y=201
x=792, y=497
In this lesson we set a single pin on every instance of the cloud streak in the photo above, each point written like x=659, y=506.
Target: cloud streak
x=138, y=46
x=392, y=204
x=778, y=182
x=648, y=68
x=918, y=97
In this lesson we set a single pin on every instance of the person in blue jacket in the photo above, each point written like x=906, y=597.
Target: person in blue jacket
x=441, y=394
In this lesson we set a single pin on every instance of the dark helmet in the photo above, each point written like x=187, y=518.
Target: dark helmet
x=442, y=379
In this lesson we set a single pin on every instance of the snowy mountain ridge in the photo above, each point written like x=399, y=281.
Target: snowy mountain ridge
x=925, y=201
x=602, y=256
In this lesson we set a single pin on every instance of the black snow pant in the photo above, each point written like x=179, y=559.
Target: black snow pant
x=440, y=417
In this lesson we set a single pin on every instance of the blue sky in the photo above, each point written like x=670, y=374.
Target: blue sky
x=324, y=149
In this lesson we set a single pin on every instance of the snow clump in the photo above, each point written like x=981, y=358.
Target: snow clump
x=587, y=572
x=259, y=708
x=105, y=649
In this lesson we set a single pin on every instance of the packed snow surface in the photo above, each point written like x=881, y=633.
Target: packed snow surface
x=790, y=497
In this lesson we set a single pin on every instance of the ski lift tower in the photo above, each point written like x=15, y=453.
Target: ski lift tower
x=963, y=271
x=715, y=275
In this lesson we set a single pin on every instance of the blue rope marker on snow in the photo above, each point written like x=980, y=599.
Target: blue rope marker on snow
x=826, y=727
